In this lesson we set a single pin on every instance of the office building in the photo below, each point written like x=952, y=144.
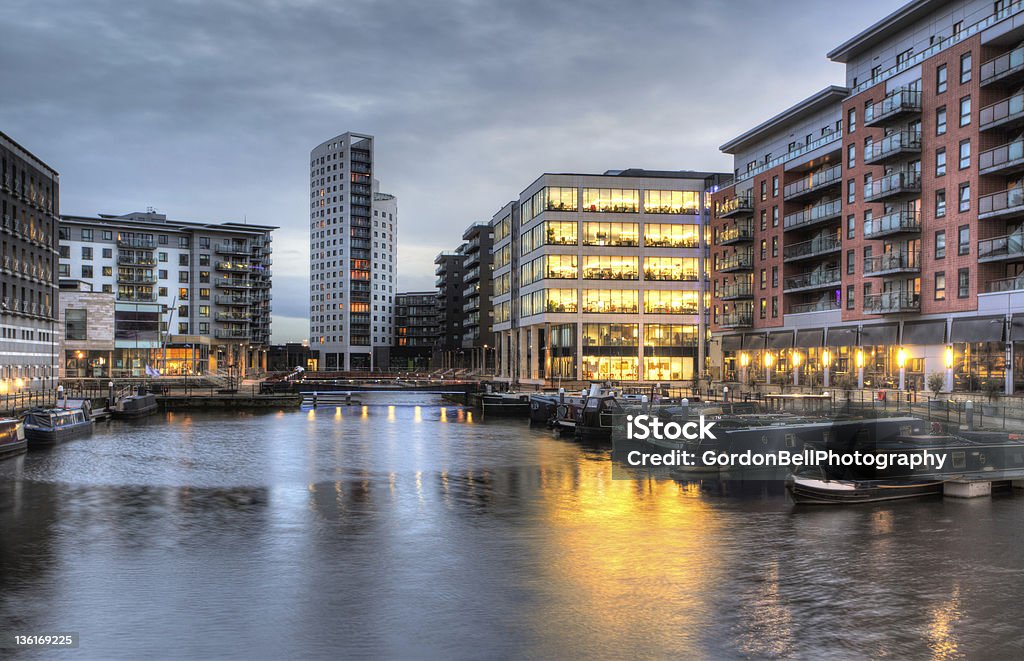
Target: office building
x=602, y=277
x=416, y=331
x=189, y=297
x=29, y=205
x=353, y=239
x=873, y=232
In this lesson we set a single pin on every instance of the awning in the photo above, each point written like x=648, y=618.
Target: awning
x=878, y=334
x=780, y=340
x=1017, y=328
x=810, y=338
x=924, y=332
x=987, y=329
x=753, y=341
x=732, y=342
x=842, y=337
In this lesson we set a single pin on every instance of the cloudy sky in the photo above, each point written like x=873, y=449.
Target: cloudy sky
x=207, y=109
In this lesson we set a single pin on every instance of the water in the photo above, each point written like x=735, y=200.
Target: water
x=407, y=532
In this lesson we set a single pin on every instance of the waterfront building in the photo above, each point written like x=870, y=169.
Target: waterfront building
x=873, y=232
x=478, y=287
x=86, y=330
x=286, y=357
x=29, y=205
x=448, y=352
x=190, y=297
x=353, y=240
x=416, y=330
x=602, y=277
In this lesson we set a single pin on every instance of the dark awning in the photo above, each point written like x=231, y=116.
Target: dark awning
x=1017, y=328
x=842, y=337
x=810, y=338
x=986, y=329
x=878, y=334
x=753, y=341
x=732, y=342
x=924, y=332
x=780, y=340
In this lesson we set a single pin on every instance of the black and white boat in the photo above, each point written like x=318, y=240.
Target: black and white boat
x=812, y=488
x=50, y=426
x=12, y=438
x=134, y=406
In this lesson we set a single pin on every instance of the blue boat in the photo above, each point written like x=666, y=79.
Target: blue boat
x=50, y=426
x=12, y=438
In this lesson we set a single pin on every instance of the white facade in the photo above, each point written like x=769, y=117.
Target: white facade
x=353, y=239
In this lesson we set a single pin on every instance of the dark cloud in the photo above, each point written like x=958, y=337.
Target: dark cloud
x=207, y=110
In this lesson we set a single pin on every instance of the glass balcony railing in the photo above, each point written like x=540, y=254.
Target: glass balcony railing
x=812, y=182
x=892, y=302
x=897, y=222
x=901, y=102
x=817, y=246
x=818, y=213
x=735, y=234
x=893, y=145
x=1005, y=284
x=736, y=290
x=814, y=279
x=737, y=319
x=1000, y=113
x=902, y=261
x=1006, y=157
x=735, y=205
x=1009, y=202
x=1003, y=67
x=822, y=305
x=1002, y=248
x=892, y=185
x=741, y=261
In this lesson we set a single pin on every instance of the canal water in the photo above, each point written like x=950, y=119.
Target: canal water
x=416, y=530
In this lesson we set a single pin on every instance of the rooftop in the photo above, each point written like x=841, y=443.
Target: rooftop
x=831, y=95
x=891, y=24
x=26, y=153
x=151, y=219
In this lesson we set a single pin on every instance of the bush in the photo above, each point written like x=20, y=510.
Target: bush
x=936, y=381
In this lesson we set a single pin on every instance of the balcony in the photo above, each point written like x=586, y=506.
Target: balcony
x=1005, y=284
x=229, y=283
x=232, y=266
x=1004, y=159
x=135, y=242
x=1004, y=204
x=1002, y=248
x=741, y=261
x=891, y=147
x=227, y=299
x=890, y=263
x=736, y=205
x=812, y=183
x=232, y=249
x=236, y=317
x=737, y=319
x=136, y=260
x=137, y=297
x=819, y=213
x=816, y=247
x=1004, y=114
x=136, y=279
x=892, y=302
x=736, y=291
x=905, y=221
x=816, y=279
x=1007, y=68
x=823, y=305
x=897, y=105
x=894, y=185
x=740, y=233
x=231, y=333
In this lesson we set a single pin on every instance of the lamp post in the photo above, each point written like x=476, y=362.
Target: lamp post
x=797, y=359
x=826, y=361
x=949, y=369
x=901, y=362
x=744, y=363
x=860, y=369
x=769, y=360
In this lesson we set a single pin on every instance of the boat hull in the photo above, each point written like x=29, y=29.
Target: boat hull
x=12, y=439
x=850, y=492
x=48, y=437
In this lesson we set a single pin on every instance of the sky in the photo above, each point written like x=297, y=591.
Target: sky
x=207, y=109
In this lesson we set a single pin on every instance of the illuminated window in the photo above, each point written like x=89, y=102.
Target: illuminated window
x=560, y=266
x=669, y=235
x=610, y=267
x=668, y=368
x=670, y=302
x=561, y=300
x=611, y=301
x=611, y=234
x=670, y=335
x=611, y=200
x=672, y=201
x=670, y=268
x=560, y=199
x=610, y=335
x=615, y=368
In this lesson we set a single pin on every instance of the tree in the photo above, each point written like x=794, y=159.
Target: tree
x=935, y=383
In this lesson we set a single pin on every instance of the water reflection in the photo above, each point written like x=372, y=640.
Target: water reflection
x=413, y=530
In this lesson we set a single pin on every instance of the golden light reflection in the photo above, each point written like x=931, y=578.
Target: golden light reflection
x=366, y=411
x=417, y=414
x=768, y=631
x=444, y=414
x=391, y=413
x=337, y=412
x=311, y=414
x=942, y=628
x=469, y=417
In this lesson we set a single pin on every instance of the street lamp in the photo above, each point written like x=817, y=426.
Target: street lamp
x=797, y=359
x=769, y=360
x=744, y=362
x=860, y=368
x=949, y=369
x=826, y=362
x=901, y=362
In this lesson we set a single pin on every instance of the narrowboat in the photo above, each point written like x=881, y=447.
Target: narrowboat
x=134, y=406
x=12, y=438
x=807, y=488
x=49, y=426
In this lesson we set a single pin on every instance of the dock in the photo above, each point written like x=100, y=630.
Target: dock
x=228, y=401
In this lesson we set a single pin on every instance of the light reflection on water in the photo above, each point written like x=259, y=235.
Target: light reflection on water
x=415, y=530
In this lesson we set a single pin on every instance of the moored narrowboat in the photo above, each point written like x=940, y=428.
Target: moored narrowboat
x=12, y=438
x=50, y=426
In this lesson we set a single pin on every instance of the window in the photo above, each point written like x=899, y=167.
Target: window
x=204, y=310
x=764, y=249
x=86, y=270
x=775, y=276
x=670, y=235
x=851, y=120
x=86, y=252
x=182, y=260
x=65, y=252
x=940, y=121
x=940, y=286
x=182, y=276
x=851, y=155
x=611, y=200
x=876, y=71
x=764, y=279
x=183, y=242
x=108, y=270
x=965, y=111
x=940, y=162
x=775, y=307
x=940, y=244
x=75, y=324
x=963, y=288
x=964, y=240
x=86, y=235
x=965, y=197
x=850, y=265
x=775, y=246
x=904, y=57
x=204, y=242
x=162, y=256
x=965, y=154
x=599, y=234
x=851, y=191
x=764, y=219
x=764, y=308
x=609, y=267
x=672, y=201
x=941, y=79
x=669, y=301
x=775, y=186
x=775, y=216
x=957, y=27
x=849, y=297
x=940, y=203
x=851, y=227
x=764, y=190
x=108, y=253
x=965, y=68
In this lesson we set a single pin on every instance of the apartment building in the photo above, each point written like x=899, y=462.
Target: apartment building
x=478, y=287
x=29, y=204
x=872, y=234
x=603, y=277
x=189, y=297
x=450, y=283
x=353, y=255
x=416, y=330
